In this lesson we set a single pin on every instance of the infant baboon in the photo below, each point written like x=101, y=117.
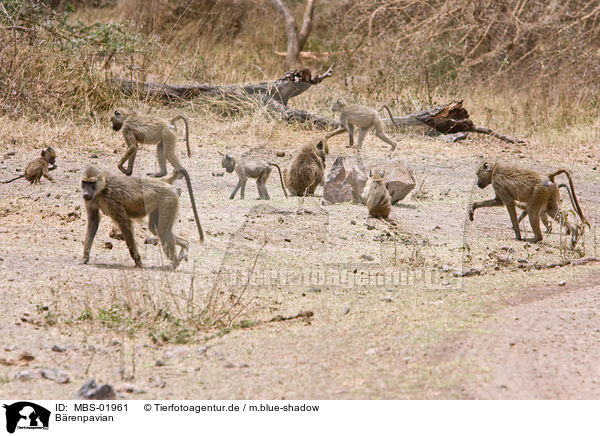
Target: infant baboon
x=376, y=196
x=528, y=189
x=146, y=129
x=307, y=170
x=39, y=167
x=126, y=198
x=362, y=117
x=245, y=169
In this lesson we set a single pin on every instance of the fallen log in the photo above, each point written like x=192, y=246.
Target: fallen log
x=450, y=122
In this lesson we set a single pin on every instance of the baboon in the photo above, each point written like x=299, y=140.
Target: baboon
x=126, y=198
x=376, y=196
x=362, y=117
x=527, y=188
x=307, y=170
x=245, y=169
x=39, y=167
x=146, y=129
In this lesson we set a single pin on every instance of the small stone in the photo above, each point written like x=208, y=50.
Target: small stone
x=28, y=374
x=159, y=363
x=218, y=173
x=280, y=154
x=151, y=241
x=313, y=290
x=287, y=239
x=94, y=156
x=371, y=351
x=370, y=227
x=353, y=222
x=158, y=383
x=56, y=374
x=229, y=365
x=467, y=273
x=115, y=343
x=108, y=245
x=503, y=387
x=367, y=257
x=346, y=310
x=58, y=349
x=562, y=283
x=26, y=356
x=386, y=299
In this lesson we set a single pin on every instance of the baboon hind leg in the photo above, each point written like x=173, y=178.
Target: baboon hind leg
x=379, y=131
x=167, y=210
x=162, y=162
x=169, y=151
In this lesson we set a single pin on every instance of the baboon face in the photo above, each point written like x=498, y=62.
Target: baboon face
x=117, y=120
x=322, y=150
x=92, y=183
x=49, y=155
x=228, y=162
x=338, y=105
x=484, y=175
x=377, y=174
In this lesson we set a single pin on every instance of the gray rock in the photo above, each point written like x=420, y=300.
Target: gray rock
x=58, y=349
x=399, y=177
x=357, y=180
x=337, y=189
x=90, y=391
x=56, y=374
x=28, y=374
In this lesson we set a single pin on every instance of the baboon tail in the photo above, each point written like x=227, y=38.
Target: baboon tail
x=572, y=195
x=188, y=182
x=387, y=108
x=16, y=178
x=187, y=131
x=280, y=178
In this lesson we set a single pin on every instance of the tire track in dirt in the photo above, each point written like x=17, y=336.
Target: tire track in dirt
x=543, y=349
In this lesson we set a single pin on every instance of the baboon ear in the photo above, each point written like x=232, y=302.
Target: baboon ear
x=383, y=174
x=486, y=166
x=228, y=156
x=320, y=145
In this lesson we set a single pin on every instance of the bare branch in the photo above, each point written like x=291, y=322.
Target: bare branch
x=306, y=23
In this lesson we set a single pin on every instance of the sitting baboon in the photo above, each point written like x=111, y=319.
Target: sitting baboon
x=39, y=167
x=146, y=129
x=527, y=188
x=362, y=117
x=376, y=196
x=245, y=169
x=126, y=198
x=307, y=170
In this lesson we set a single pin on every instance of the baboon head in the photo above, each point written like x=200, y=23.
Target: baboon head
x=378, y=175
x=117, y=120
x=338, y=105
x=49, y=155
x=322, y=149
x=484, y=175
x=228, y=162
x=92, y=183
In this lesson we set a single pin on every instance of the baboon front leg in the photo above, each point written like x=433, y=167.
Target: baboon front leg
x=162, y=162
x=48, y=176
x=486, y=203
x=235, y=190
x=93, y=216
x=130, y=156
x=119, y=215
x=243, y=187
x=351, y=135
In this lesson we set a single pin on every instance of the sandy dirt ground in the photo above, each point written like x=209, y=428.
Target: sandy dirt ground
x=217, y=327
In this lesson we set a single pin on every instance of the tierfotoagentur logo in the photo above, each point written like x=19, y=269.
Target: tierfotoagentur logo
x=24, y=415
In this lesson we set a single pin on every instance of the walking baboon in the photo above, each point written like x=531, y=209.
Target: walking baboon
x=362, y=117
x=528, y=189
x=126, y=198
x=245, y=169
x=307, y=170
x=376, y=196
x=146, y=129
x=39, y=167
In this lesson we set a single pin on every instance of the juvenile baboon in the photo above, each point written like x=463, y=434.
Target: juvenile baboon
x=376, y=196
x=528, y=189
x=307, y=170
x=39, y=167
x=362, y=117
x=126, y=198
x=245, y=169
x=146, y=129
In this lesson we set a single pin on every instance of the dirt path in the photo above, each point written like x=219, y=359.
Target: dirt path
x=544, y=349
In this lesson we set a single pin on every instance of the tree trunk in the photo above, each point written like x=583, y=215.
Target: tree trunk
x=295, y=39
